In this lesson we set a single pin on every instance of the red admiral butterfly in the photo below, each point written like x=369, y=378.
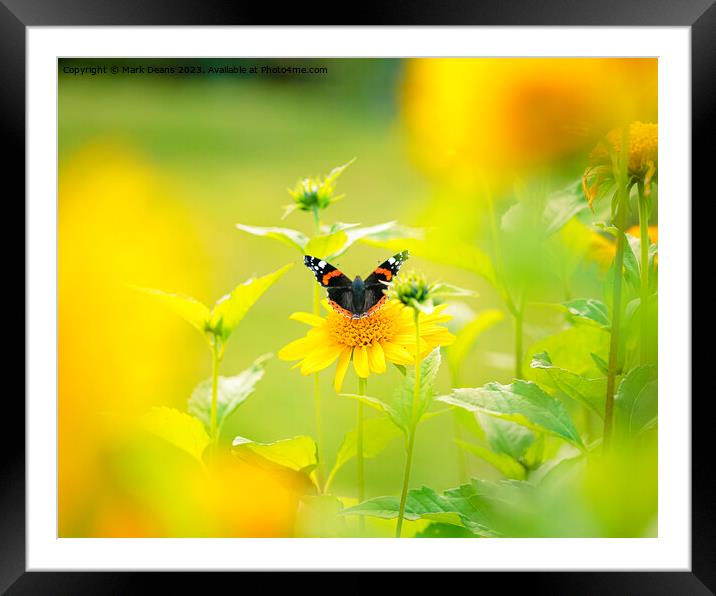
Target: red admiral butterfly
x=357, y=298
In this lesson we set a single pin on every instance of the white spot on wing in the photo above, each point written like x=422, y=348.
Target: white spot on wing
x=322, y=264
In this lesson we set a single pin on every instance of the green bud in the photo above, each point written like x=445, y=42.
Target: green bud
x=315, y=194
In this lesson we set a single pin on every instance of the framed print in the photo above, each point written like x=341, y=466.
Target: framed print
x=359, y=298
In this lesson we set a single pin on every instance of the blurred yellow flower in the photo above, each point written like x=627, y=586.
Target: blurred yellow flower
x=643, y=163
x=388, y=335
x=506, y=116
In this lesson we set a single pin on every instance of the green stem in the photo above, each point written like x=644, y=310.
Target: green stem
x=360, y=461
x=216, y=355
x=519, y=339
x=411, y=429
x=316, y=376
x=620, y=223
x=644, y=294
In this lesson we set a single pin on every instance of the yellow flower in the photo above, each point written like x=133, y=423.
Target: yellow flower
x=643, y=158
x=508, y=116
x=386, y=336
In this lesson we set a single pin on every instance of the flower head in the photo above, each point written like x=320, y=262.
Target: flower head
x=314, y=194
x=388, y=335
x=643, y=158
x=414, y=290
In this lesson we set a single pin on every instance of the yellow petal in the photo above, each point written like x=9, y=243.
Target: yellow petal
x=320, y=358
x=308, y=318
x=343, y=362
x=397, y=354
x=295, y=350
x=376, y=358
x=360, y=361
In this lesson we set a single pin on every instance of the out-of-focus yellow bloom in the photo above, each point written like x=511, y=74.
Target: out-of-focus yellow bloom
x=507, y=115
x=118, y=222
x=643, y=163
x=387, y=335
x=603, y=249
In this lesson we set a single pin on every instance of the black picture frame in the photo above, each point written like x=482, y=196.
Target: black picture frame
x=17, y=15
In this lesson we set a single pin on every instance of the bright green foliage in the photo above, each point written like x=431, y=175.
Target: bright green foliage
x=400, y=408
x=425, y=503
x=298, y=453
x=590, y=310
x=588, y=392
x=232, y=392
x=522, y=402
x=227, y=312
x=636, y=402
x=232, y=308
x=506, y=464
x=292, y=238
x=179, y=429
x=189, y=309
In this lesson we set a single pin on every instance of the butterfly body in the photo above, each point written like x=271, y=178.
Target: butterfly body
x=355, y=298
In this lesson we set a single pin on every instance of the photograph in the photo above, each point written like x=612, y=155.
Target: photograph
x=358, y=297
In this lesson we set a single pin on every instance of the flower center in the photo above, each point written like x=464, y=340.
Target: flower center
x=362, y=332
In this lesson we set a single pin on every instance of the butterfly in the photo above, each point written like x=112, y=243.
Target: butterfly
x=356, y=298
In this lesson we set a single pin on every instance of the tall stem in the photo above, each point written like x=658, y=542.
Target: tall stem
x=412, y=428
x=644, y=293
x=519, y=338
x=216, y=354
x=316, y=376
x=620, y=222
x=360, y=461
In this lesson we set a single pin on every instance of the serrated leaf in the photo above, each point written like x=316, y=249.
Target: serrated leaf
x=588, y=392
x=293, y=238
x=231, y=309
x=506, y=437
x=298, y=453
x=188, y=308
x=179, y=429
x=636, y=401
x=326, y=245
x=403, y=401
x=522, y=402
x=507, y=465
x=354, y=234
x=377, y=435
x=400, y=408
x=589, y=309
x=425, y=503
x=232, y=392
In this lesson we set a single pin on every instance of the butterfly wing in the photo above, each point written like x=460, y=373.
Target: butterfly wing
x=338, y=285
x=376, y=282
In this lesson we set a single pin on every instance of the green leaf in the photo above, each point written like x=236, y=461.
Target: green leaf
x=522, y=402
x=179, y=429
x=571, y=349
x=231, y=309
x=326, y=245
x=636, y=401
x=400, y=408
x=589, y=309
x=232, y=392
x=377, y=435
x=402, y=404
x=438, y=530
x=191, y=310
x=298, y=453
x=425, y=503
x=466, y=337
x=506, y=437
x=588, y=392
x=507, y=465
x=292, y=238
